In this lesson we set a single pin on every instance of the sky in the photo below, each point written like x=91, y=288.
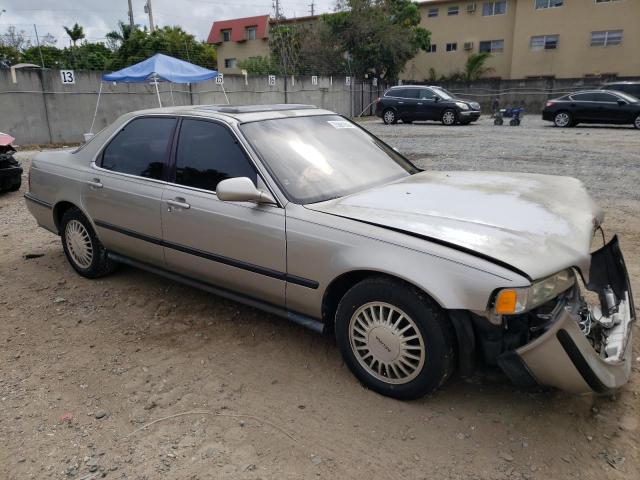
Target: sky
x=101, y=16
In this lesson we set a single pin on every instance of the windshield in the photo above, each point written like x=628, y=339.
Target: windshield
x=443, y=93
x=321, y=157
x=629, y=98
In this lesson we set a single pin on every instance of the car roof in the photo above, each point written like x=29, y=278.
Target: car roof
x=622, y=82
x=241, y=113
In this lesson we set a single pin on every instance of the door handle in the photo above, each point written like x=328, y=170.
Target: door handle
x=419, y=103
x=95, y=183
x=401, y=102
x=178, y=202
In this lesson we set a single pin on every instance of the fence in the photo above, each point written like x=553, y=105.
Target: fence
x=38, y=108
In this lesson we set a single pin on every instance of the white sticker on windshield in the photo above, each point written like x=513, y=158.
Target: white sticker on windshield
x=340, y=124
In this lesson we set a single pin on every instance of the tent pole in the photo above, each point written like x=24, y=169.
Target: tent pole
x=225, y=93
x=171, y=91
x=95, y=113
x=158, y=92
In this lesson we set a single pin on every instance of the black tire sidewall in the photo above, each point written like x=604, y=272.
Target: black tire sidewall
x=636, y=122
x=100, y=264
x=423, y=311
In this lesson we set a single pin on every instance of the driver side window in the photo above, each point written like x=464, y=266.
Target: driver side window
x=208, y=153
x=427, y=94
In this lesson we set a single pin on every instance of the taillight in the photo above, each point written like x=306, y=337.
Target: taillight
x=550, y=104
x=378, y=100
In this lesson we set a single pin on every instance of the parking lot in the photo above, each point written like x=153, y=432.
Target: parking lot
x=237, y=393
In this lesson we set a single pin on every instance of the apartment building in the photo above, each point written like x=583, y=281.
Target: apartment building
x=531, y=38
x=242, y=38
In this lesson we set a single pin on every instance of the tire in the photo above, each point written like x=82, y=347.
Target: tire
x=15, y=187
x=498, y=121
x=514, y=122
x=433, y=345
x=636, y=122
x=82, y=247
x=389, y=116
x=563, y=119
x=448, y=117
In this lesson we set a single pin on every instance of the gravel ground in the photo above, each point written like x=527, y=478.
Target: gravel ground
x=239, y=394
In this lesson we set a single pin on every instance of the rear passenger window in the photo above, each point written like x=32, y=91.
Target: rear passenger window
x=140, y=148
x=584, y=97
x=207, y=154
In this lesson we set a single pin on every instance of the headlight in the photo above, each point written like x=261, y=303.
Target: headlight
x=463, y=106
x=510, y=301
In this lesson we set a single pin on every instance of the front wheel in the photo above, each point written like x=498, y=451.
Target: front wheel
x=448, y=117
x=394, y=338
x=389, y=116
x=498, y=121
x=514, y=122
x=636, y=123
x=562, y=119
x=83, y=249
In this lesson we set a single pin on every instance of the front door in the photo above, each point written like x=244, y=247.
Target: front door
x=428, y=108
x=123, y=193
x=240, y=246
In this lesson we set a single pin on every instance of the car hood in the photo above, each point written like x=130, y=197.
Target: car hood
x=536, y=224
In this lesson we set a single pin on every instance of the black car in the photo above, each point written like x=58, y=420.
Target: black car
x=10, y=169
x=593, y=106
x=415, y=102
x=631, y=88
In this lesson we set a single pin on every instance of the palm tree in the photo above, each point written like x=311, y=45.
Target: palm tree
x=115, y=38
x=474, y=68
x=75, y=33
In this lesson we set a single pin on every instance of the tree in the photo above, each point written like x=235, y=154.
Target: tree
x=474, y=68
x=75, y=33
x=15, y=39
x=115, y=38
x=258, y=66
x=372, y=36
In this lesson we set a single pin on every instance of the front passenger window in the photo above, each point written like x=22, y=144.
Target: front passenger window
x=207, y=154
x=140, y=148
x=426, y=94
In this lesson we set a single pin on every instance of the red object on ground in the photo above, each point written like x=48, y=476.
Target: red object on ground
x=6, y=139
x=67, y=417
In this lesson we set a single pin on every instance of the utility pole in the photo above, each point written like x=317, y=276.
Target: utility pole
x=276, y=7
x=147, y=9
x=38, y=42
x=131, y=14
x=312, y=8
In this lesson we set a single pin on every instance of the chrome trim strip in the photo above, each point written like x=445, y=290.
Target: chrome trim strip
x=33, y=199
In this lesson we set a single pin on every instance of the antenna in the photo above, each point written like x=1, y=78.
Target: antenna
x=312, y=8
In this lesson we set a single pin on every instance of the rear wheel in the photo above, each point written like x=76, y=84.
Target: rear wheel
x=389, y=116
x=82, y=247
x=498, y=121
x=636, y=123
x=514, y=122
x=448, y=117
x=562, y=119
x=394, y=338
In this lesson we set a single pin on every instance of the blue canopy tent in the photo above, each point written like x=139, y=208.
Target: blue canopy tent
x=157, y=68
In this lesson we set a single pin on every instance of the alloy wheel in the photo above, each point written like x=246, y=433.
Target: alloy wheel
x=387, y=343
x=79, y=243
x=637, y=122
x=562, y=119
x=389, y=116
x=448, y=117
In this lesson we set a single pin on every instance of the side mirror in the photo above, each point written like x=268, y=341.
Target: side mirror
x=436, y=99
x=241, y=189
x=621, y=102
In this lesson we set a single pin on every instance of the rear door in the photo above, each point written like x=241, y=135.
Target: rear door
x=583, y=107
x=123, y=197
x=403, y=100
x=240, y=246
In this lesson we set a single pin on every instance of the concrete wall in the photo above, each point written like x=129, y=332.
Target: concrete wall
x=39, y=109
x=531, y=94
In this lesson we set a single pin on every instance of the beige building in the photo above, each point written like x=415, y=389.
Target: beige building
x=531, y=38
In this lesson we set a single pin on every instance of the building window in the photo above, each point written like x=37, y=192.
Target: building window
x=606, y=38
x=494, y=8
x=452, y=47
x=432, y=12
x=230, y=63
x=226, y=35
x=492, y=46
x=250, y=33
x=431, y=48
x=606, y=1
x=453, y=11
x=548, y=4
x=544, y=42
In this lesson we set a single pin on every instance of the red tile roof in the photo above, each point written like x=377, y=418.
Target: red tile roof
x=237, y=27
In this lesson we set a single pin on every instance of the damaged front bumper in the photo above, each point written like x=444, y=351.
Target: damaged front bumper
x=584, y=348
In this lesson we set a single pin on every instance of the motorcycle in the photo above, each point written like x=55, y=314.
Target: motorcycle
x=10, y=169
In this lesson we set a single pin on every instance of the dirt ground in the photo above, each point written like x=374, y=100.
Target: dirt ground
x=240, y=394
